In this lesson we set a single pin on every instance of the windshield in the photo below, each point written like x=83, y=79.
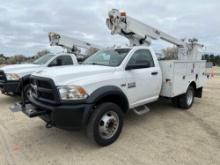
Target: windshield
x=43, y=60
x=112, y=57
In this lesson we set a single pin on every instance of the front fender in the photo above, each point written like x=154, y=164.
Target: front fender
x=106, y=91
x=101, y=93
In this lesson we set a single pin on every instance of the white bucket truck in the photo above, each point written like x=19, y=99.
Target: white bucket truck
x=96, y=95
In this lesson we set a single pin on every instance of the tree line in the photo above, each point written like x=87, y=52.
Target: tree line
x=19, y=59
x=171, y=53
x=215, y=59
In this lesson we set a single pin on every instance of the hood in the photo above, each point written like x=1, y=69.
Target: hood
x=16, y=67
x=68, y=74
x=21, y=69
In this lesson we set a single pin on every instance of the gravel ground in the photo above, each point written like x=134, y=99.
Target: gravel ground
x=165, y=135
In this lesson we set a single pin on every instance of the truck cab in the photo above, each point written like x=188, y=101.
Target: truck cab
x=11, y=75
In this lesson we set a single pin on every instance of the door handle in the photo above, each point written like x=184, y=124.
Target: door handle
x=154, y=73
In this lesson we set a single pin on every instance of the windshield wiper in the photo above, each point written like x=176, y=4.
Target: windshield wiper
x=93, y=63
x=97, y=63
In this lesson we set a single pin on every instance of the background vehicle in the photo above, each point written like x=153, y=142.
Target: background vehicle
x=10, y=76
x=96, y=94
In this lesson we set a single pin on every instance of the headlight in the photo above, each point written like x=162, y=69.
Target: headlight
x=72, y=93
x=12, y=76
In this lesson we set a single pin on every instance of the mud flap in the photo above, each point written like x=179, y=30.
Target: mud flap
x=198, y=92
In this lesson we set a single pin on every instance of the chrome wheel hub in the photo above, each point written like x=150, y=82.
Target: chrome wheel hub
x=108, y=125
x=189, y=97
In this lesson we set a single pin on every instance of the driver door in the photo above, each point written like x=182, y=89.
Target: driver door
x=143, y=84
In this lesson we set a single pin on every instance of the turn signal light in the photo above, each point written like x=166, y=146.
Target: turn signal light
x=123, y=14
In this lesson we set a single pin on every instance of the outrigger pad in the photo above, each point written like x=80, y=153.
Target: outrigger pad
x=16, y=107
x=28, y=109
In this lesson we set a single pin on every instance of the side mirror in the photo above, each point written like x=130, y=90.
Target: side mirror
x=138, y=65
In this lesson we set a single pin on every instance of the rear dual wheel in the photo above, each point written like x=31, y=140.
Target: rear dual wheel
x=186, y=100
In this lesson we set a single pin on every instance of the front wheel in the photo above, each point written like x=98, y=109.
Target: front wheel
x=186, y=100
x=26, y=92
x=105, y=124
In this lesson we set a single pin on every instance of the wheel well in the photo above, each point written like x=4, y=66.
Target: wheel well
x=193, y=84
x=117, y=99
x=25, y=82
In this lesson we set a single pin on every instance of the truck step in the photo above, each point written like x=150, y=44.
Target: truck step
x=141, y=110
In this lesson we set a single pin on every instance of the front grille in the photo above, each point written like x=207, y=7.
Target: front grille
x=2, y=76
x=44, y=89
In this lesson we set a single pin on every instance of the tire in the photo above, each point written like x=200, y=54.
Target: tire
x=105, y=124
x=186, y=100
x=26, y=92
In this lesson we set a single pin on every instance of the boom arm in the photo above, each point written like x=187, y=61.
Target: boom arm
x=139, y=33
x=71, y=44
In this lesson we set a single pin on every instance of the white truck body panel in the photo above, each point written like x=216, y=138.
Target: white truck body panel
x=178, y=74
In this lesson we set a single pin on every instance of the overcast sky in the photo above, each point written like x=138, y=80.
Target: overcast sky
x=24, y=24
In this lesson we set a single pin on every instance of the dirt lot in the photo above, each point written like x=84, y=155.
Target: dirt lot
x=166, y=135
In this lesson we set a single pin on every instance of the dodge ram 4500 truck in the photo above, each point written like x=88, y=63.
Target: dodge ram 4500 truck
x=96, y=95
x=11, y=75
